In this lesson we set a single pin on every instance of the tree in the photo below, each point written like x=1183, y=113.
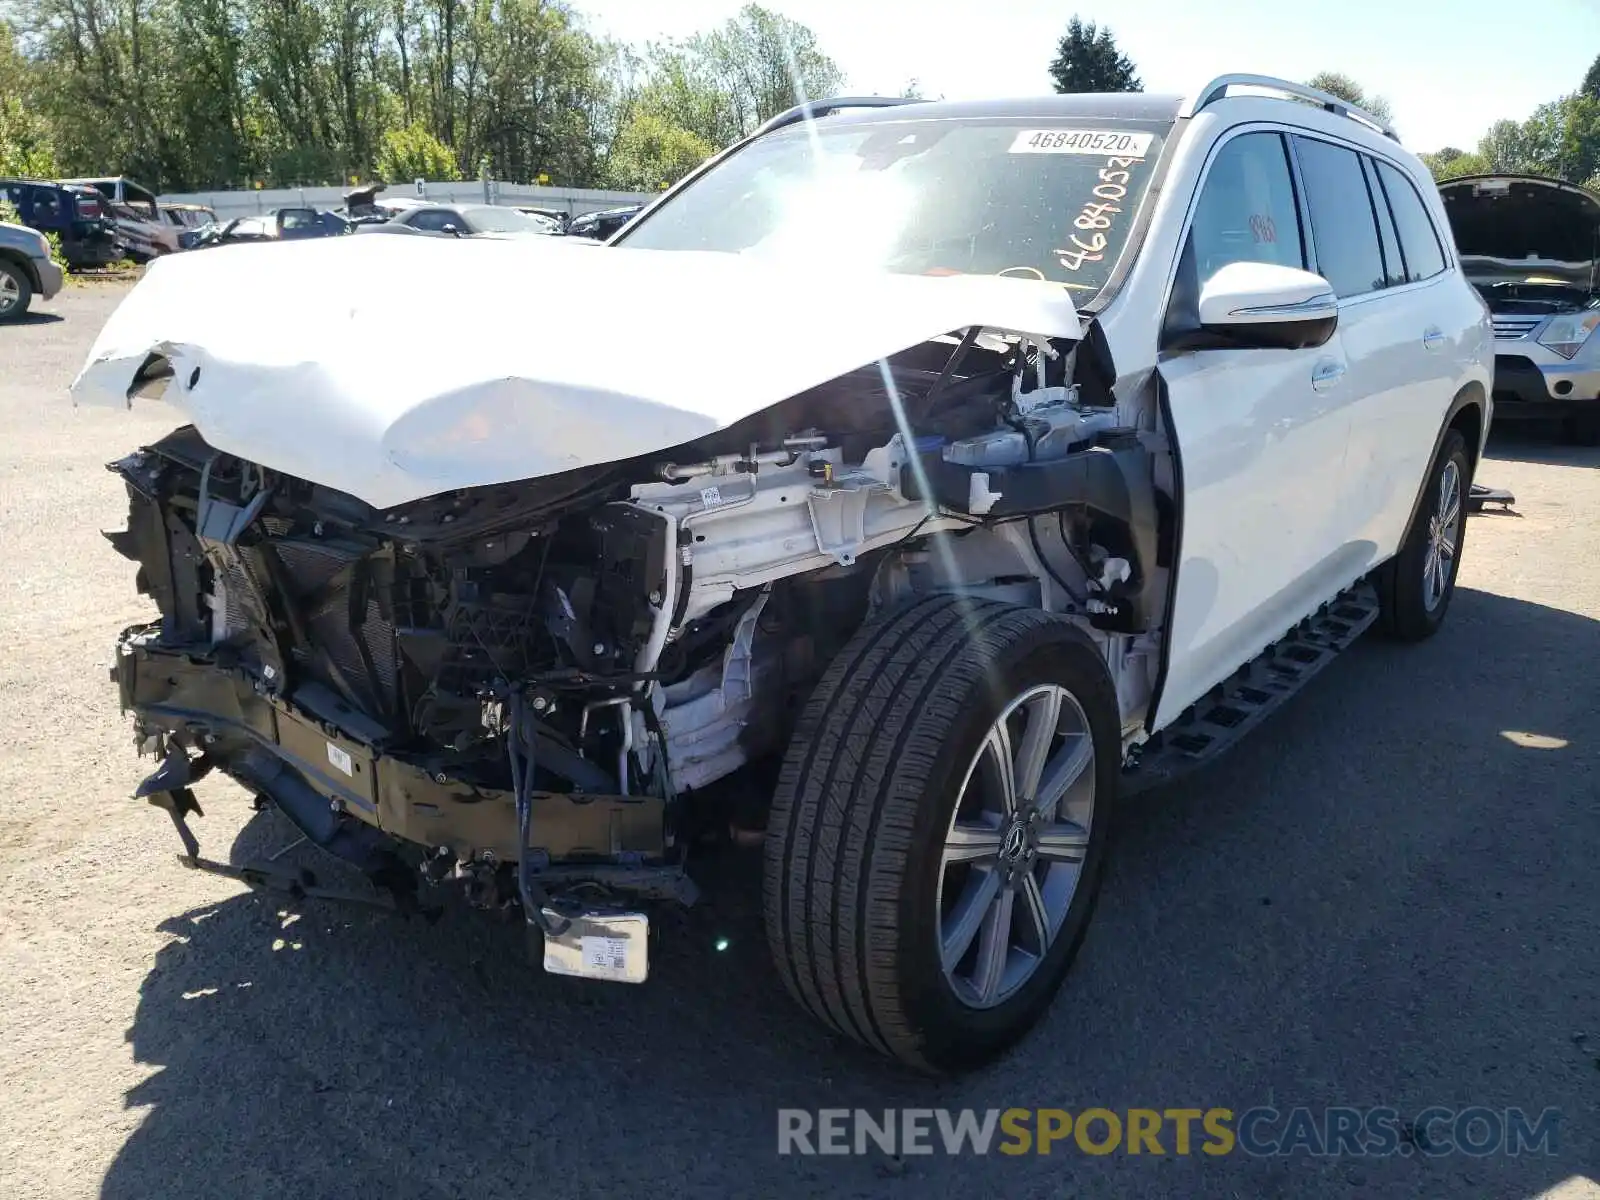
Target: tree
x=1087, y=60
x=1348, y=90
x=414, y=153
x=721, y=85
x=1451, y=163
x=193, y=94
x=1561, y=139
x=651, y=154
x=1504, y=149
x=1591, y=80
x=25, y=147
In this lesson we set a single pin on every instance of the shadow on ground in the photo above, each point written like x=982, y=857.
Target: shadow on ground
x=1385, y=897
x=1533, y=442
x=36, y=317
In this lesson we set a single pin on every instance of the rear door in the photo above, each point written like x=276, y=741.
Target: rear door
x=1426, y=325
x=1261, y=434
x=1391, y=336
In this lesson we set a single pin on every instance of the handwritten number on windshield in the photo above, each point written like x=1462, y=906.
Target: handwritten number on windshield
x=1095, y=216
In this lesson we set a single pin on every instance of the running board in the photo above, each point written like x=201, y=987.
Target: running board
x=1257, y=689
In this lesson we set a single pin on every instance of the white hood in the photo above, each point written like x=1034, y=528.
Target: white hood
x=398, y=368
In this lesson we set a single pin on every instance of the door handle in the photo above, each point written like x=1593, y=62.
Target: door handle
x=1326, y=373
x=1432, y=338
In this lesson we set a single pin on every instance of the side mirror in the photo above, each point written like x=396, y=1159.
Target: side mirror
x=1266, y=305
x=453, y=230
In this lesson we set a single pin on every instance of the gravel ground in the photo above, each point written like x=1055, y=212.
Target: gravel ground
x=1386, y=897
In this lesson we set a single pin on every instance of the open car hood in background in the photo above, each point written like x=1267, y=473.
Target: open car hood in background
x=398, y=368
x=1522, y=228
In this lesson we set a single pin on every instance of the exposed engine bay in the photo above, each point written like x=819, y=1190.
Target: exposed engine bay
x=564, y=683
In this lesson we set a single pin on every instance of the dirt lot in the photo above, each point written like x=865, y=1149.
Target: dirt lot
x=1387, y=897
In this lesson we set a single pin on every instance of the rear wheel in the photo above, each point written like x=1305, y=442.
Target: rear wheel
x=936, y=838
x=16, y=292
x=1416, y=585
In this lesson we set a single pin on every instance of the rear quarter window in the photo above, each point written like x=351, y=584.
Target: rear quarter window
x=1419, y=240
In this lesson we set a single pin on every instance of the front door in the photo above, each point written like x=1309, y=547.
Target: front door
x=1261, y=437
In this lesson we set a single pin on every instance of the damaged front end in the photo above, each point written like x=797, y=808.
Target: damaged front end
x=412, y=687
x=548, y=691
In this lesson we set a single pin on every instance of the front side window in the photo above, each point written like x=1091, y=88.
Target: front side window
x=1246, y=211
x=1418, y=238
x=1342, y=223
x=434, y=219
x=1035, y=199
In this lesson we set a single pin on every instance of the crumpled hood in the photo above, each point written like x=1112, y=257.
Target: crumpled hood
x=398, y=368
x=1511, y=228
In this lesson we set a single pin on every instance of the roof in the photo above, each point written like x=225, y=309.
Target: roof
x=1127, y=106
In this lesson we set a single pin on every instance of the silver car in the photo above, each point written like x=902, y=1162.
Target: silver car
x=26, y=270
x=1532, y=247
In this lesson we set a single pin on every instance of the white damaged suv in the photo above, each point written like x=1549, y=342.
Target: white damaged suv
x=897, y=491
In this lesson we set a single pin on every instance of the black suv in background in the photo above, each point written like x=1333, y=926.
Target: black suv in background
x=77, y=214
x=601, y=225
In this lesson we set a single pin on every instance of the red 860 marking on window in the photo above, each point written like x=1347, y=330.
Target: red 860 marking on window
x=1263, y=228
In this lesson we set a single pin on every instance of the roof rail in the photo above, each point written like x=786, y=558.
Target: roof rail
x=821, y=108
x=1218, y=88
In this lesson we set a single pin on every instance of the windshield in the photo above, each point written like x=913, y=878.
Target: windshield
x=1033, y=199
x=504, y=220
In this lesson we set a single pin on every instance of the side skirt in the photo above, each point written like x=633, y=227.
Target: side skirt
x=1252, y=693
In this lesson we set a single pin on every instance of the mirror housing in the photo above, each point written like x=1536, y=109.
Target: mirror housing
x=1252, y=304
x=453, y=230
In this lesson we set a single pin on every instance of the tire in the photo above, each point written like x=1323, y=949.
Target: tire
x=857, y=894
x=1412, y=605
x=16, y=291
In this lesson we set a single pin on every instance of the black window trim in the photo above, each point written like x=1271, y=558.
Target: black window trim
x=1369, y=175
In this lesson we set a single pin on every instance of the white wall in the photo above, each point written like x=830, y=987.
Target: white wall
x=473, y=191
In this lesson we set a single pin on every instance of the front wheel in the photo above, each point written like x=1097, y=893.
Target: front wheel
x=1416, y=585
x=16, y=292
x=936, y=838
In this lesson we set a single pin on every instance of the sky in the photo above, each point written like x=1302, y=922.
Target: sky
x=1449, y=68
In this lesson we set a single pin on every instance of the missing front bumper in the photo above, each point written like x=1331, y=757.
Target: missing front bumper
x=329, y=769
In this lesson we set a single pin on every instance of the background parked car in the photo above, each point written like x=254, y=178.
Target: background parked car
x=601, y=225
x=556, y=220
x=284, y=225
x=466, y=220
x=136, y=215
x=188, y=220
x=26, y=270
x=1531, y=246
x=77, y=215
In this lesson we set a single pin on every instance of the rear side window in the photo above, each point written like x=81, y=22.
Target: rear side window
x=1246, y=211
x=1418, y=238
x=1341, y=217
x=46, y=207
